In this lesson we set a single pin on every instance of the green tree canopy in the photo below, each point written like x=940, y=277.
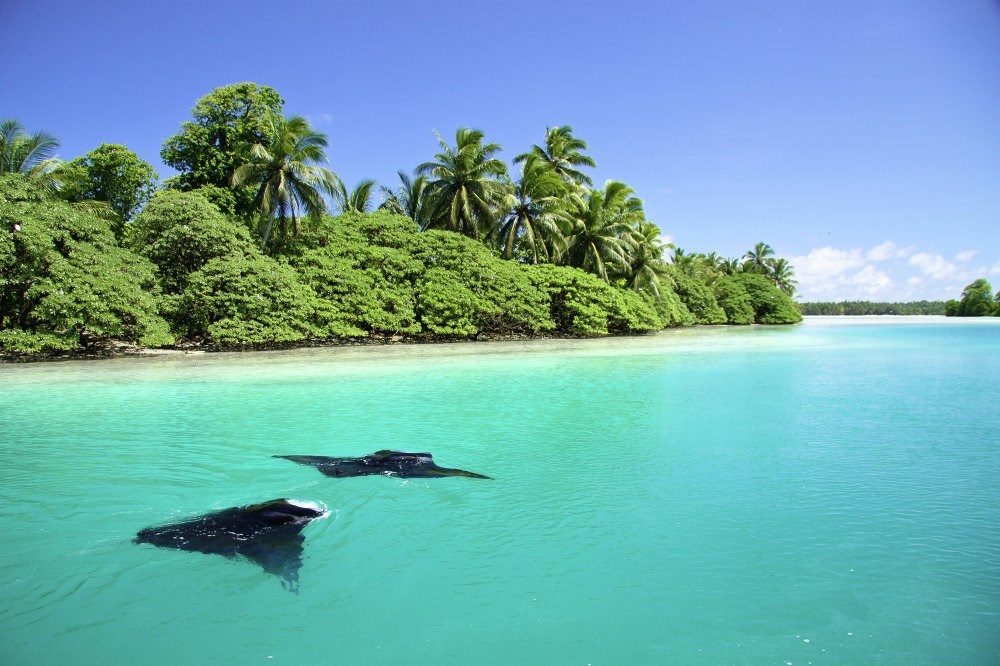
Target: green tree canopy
x=180, y=232
x=207, y=149
x=770, y=304
x=64, y=281
x=647, y=268
x=468, y=185
x=113, y=174
x=602, y=237
x=286, y=175
x=561, y=153
x=536, y=222
x=358, y=200
x=32, y=155
x=977, y=300
x=411, y=199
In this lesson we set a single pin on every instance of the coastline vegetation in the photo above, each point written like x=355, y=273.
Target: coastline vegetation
x=978, y=300
x=240, y=248
x=873, y=308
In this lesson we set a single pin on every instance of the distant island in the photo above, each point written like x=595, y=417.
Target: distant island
x=856, y=308
x=978, y=300
x=240, y=250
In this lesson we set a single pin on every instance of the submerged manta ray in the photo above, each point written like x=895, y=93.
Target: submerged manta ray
x=268, y=534
x=388, y=463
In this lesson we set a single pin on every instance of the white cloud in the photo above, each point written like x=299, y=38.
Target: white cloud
x=828, y=272
x=885, y=272
x=933, y=265
x=825, y=263
x=871, y=280
x=888, y=250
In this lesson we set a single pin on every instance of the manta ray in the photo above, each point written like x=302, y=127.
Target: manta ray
x=268, y=534
x=388, y=463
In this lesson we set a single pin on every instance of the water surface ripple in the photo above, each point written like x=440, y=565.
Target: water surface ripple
x=820, y=494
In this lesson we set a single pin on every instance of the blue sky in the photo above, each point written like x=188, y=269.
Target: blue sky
x=860, y=138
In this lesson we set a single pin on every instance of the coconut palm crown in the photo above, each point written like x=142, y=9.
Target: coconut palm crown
x=537, y=220
x=289, y=181
x=32, y=155
x=562, y=153
x=468, y=185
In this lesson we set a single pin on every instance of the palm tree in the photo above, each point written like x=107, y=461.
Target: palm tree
x=358, y=200
x=602, y=238
x=783, y=275
x=562, y=153
x=536, y=218
x=468, y=186
x=648, y=267
x=30, y=154
x=288, y=181
x=757, y=259
x=681, y=259
x=730, y=266
x=410, y=199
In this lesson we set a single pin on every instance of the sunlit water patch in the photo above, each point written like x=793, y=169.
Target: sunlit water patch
x=823, y=493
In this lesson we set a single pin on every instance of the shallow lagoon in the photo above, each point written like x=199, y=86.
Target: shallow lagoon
x=822, y=494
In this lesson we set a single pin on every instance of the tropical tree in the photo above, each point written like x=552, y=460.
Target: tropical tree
x=208, y=148
x=287, y=180
x=358, y=200
x=730, y=266
x=682, y=260
x=468, y=185
x=562, y=153
x=112, y=174
x=783, y=275
x=977, y=300
x=602, y=237
x=410, y=199
x=758, y=259
x=648, y=268
x=32, y=155
x=537, y=219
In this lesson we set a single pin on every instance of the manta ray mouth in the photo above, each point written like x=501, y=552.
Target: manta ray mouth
x=314, y=506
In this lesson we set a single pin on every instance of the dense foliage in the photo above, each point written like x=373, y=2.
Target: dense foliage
x=112, y=174
x=978, y=300
x=222, y=256
x=64, y=280
x=873, y=308
x=210, y=147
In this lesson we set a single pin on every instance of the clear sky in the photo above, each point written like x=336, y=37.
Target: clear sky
x=860, y=138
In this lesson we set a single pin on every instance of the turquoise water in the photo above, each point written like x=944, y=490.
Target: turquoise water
x=827, y=493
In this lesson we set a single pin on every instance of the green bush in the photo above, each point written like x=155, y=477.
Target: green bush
x=698, y=298
x=238, y=300
x=362, y=278
x=64, y=281
x=502, y=296
x=180, y=232
x=770, y=304
x=582, y=304
x=733, y=298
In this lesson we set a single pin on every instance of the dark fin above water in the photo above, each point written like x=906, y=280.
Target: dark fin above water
x=385, y=462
